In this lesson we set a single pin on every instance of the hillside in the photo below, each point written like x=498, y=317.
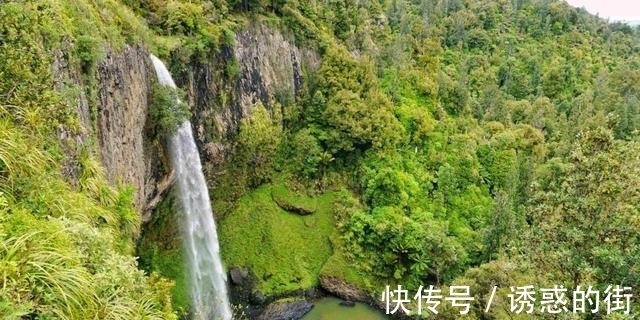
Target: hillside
x=348, y=145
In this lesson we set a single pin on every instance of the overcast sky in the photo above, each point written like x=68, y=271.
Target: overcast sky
x=612, y=9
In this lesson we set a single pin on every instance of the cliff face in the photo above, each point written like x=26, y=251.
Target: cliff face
x=124, y=97
x=119, y=122
x=263, y=65
x=127, y=150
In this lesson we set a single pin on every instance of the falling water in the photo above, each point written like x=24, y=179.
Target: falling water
x=208, y=278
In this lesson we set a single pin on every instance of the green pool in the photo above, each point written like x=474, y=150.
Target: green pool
x=330, y=309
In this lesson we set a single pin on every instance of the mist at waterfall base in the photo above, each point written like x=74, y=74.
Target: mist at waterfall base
x=208, y=287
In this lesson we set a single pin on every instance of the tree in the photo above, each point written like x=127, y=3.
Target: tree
x=583, y=213
x=257, y=145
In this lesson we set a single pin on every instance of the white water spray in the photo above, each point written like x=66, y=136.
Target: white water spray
x=208, y=279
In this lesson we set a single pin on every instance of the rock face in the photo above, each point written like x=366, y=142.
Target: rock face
x=263, y=66
x=118, y=120
x=124, y=97
x=238, y=275
x=67, y=80
x=344, y=290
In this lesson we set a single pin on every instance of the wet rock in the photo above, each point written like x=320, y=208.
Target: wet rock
x=258, y=298
x=237, y=276
x=311, y=293
x=347, y=303
x=343, y=289
x=286, y=310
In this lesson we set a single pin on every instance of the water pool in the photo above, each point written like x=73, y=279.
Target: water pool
x=329, y=308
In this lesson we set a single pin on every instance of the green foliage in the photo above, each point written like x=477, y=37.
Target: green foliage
x=482, y=140
x=233, y=69
x=394, y=245
x=87, y=51
x=389, y=187
x=502, y=273
x=303, y=155
x=355, y=116
x=63, y=252
x=257, y=145
x=167, y=111
x=184, y=30
x=596, y=191
x=343, y=264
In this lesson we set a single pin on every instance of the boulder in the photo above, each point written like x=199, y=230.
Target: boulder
x=258, y=298
x=286, y=310
x=237, y=276
x=343, y=289
x=347, y=303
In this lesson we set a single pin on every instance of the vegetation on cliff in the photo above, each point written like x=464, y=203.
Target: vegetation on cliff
x=65, y=246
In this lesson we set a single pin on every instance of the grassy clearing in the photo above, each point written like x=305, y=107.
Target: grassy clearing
x=284, y=250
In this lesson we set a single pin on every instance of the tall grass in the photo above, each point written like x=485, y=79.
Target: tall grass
x=65, y=251
x=47, y=275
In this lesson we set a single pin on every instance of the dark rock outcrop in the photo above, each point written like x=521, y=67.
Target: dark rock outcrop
x=342, y=289
x=286, y=310
x=238, y=275
x=263, y=65
x=292, y=207
x=347, y=304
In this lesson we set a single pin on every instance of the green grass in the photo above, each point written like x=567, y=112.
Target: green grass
x=284, y=250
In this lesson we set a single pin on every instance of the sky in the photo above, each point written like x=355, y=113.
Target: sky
x=628, y=10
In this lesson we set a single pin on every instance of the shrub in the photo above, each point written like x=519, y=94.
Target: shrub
x=87, y=49
x=258, y=143
x=167, y=111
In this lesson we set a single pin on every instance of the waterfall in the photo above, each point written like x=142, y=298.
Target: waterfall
x=207, y=276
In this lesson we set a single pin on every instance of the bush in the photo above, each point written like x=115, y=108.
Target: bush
x=303, y=154
x=88, y=52
x=258, y=143
x=167, y=111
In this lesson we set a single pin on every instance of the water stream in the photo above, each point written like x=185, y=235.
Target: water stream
x=208, y=286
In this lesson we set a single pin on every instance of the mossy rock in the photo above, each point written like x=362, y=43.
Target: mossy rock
x=291, y=201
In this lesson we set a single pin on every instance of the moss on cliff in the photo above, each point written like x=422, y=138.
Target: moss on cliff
x=160, y=250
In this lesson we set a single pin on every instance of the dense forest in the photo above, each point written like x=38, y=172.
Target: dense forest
x=436, y=142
